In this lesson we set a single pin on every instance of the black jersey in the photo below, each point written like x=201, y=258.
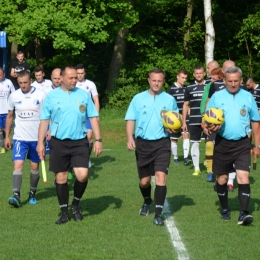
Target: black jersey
x=216, y=86
x=178, y=94
x=256, y=94
x=219, y=85
x=20, y=66
x=243, y=86
x=193, y=94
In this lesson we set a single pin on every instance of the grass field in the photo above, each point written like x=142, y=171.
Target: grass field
x=112, y=227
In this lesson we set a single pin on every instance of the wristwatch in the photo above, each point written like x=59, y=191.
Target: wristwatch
x=257, y=146
x=99, y=140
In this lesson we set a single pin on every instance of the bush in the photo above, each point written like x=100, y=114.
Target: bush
x=135, y=81
x=122, y=97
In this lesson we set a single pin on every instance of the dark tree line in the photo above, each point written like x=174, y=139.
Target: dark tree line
x=119, y=41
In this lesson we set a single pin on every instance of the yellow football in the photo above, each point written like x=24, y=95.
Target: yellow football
x=214, y=116
x=171, y=120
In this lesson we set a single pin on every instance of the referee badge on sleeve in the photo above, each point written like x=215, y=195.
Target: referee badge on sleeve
x=82, y=108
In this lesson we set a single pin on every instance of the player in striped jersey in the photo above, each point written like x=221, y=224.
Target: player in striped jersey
x=177, y=90
x=254, y=89
x=192, y=98
x=40, y=82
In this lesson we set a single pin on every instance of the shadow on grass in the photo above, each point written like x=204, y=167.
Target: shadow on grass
x=96, y=206
x=97, y=163
x=46, y=193
x=178, y=201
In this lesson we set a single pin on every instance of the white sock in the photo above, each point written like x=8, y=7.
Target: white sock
x=174, y=148
x=231, y=177
x=186, y=147
x=195, y=155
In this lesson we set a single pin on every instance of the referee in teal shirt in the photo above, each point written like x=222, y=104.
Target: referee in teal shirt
x=66, y=108
x=152, y=142
x=232, y=144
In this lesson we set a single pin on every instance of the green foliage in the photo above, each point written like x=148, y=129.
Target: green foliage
x=136, y=80
x=54, y=20
x=249, y=31
x=121, y=97
x=85, y=31
x=32, y=62
x=123, y=92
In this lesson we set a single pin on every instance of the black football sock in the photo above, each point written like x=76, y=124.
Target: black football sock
x=159, y=198
x=34, y=179
x=222, y=195
x=62, y=191
x=79, y=189
x=146, y=192
x=244, y=196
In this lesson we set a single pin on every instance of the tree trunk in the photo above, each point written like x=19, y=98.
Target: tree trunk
x=118, y=56
x=38, y=51
x=249, y=53
x=187, y=33
x=14, y=50
x=210, y=32
x=117, y=59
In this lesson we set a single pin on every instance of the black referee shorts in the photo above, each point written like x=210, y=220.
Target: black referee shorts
x=229, y=152
x=152, y=156
x=67, y=154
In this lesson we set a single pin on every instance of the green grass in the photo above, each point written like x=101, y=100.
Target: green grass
x=112, y=228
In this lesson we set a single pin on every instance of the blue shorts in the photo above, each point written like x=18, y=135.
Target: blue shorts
x=2, y=120
x=88, y=124
x=23, y=148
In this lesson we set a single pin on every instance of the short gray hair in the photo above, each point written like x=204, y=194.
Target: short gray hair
x=233, y=69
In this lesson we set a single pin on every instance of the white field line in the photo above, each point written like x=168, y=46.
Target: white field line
x=170, y=224
x=173, y=230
